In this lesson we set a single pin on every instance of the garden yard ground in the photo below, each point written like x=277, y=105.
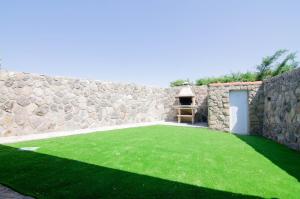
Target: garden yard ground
x=152, y=162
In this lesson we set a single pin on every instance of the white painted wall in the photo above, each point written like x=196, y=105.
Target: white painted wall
x=239, y=115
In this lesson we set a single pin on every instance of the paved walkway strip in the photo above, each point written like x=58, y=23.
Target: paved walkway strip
x=39, y=136
x=7, y=193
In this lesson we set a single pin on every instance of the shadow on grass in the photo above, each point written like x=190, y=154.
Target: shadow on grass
x=45, y=176
x=285, y=158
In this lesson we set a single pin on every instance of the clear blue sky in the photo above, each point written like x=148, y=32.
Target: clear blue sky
x=150, y=42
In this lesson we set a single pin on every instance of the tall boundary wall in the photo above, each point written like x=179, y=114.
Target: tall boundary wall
x=282, y=109
x=32, y=103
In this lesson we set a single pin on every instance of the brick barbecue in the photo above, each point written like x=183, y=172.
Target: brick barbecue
x=185, y=105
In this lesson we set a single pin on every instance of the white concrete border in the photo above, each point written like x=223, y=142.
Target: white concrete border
x=8, y=193
x=39, y=136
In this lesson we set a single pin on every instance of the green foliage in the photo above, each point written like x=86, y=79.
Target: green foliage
x=180, y=82
x=270, y=66
x=288, y=64
x=233, y=77
x=265, y=68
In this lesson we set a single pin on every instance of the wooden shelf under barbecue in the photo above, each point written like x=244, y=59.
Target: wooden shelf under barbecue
x=185, y=116
x=186, y=111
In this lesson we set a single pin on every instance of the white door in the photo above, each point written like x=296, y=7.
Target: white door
x=239, y=112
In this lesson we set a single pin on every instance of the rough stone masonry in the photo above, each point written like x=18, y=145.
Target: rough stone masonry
x=282, y=109
x=218, y=105
x=274, y=107
x=36, y=103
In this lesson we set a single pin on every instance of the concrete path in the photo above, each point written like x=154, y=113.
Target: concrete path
x=38, y=136
x=7, y=193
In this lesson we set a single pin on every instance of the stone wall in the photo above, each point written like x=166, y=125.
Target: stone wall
x=282, y=109
x=218, y=105
x=37, y=103
x=201, y=94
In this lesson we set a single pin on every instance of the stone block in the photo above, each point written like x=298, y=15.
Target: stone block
x=42, y=110
x=8, y=106
x=23, y=101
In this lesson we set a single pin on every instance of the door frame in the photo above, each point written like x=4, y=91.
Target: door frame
x=248, y=111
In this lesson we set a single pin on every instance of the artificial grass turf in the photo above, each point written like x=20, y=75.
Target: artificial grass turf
x=152, y=162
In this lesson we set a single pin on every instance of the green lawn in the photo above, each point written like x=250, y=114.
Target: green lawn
x=152, y=162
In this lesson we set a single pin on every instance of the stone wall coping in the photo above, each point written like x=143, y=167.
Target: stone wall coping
x=13, y=73
x=235, y=83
